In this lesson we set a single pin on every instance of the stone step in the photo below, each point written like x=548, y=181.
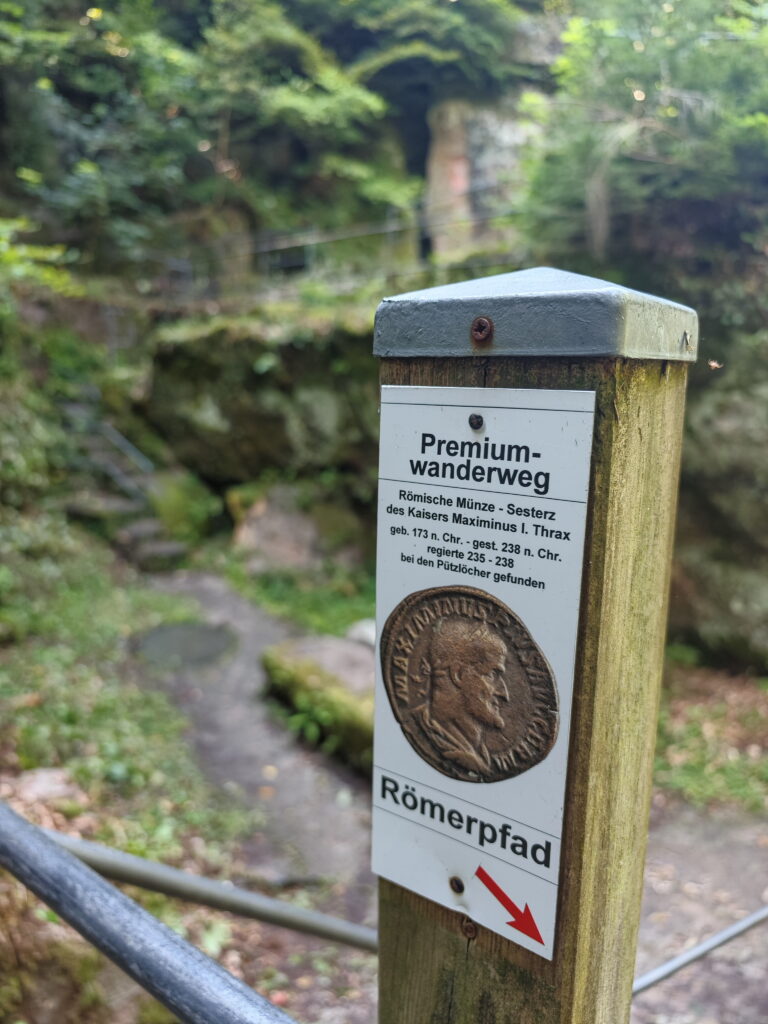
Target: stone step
x=104, y=512
x=124, y=478
x=137, y=532
x=159, y=555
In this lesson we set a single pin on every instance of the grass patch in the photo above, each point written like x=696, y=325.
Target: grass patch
x=321, y=602
x=712, y=738
x=67, y=700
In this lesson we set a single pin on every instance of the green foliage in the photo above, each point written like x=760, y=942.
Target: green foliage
x=653, y=158
x=96, y=120
x=330, y=604
x=120, y=119
x=324, y=602
x=27, y=263
x=33, y=446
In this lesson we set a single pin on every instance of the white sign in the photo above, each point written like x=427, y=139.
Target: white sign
x=482, y=510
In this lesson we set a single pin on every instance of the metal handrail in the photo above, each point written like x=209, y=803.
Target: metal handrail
x=121, y=442
x=126, y=867
x=191, y=985
x=186, y=981
x=645, y=981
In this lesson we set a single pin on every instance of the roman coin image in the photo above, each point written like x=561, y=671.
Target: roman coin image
x=471, y=690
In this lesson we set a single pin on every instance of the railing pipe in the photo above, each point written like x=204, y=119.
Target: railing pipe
x=645, y=981
x=125, y=867
x=121, y=442
x=191, y=985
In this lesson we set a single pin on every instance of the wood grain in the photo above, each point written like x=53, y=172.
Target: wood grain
x=430, y=972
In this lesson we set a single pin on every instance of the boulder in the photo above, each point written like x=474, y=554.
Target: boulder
x=286, y=527
x=328, y=681
x=237, y=396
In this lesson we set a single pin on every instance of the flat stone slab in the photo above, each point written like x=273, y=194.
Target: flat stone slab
x=181, y=644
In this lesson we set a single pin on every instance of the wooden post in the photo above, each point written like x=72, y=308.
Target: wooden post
x=546, y=329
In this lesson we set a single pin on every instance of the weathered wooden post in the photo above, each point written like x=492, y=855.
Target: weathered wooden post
x=530, y=447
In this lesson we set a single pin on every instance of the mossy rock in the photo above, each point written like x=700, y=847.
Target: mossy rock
x=183, y=504
x=236, y=397
x=333, y=709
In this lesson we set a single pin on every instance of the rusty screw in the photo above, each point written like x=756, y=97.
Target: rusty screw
x=475, y=421
x=481, y=331
x=456, y=884
x=468, y=928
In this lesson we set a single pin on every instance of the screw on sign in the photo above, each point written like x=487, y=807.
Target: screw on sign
x=481, y=331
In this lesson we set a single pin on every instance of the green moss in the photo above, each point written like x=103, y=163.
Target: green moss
x=324, y=712
x=184, y=504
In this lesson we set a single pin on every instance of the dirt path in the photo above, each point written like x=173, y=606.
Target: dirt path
x=316, y=813
x=704, y=870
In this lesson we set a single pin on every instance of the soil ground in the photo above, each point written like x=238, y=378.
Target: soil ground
x=704, y=870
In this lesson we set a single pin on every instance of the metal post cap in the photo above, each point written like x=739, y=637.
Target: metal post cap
x=538, y=312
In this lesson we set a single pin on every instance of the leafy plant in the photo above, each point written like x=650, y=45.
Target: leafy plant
x=28, y=263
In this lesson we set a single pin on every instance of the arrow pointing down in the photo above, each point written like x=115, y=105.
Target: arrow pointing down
x=522, y=920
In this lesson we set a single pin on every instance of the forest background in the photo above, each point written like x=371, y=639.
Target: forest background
x=201, y=204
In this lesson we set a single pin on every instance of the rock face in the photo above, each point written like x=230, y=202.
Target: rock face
x=235, y=398
x=474, y=171
x=474, y=175
x=720, y=585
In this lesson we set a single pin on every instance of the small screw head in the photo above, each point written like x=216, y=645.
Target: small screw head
x=468, y=928
x=476, y=421
x=456, y=884
x=481, y=331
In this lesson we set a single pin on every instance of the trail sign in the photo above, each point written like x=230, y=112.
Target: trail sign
x=517, y=701
x=482, y=511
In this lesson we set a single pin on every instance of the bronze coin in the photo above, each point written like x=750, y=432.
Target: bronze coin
x=469, y=687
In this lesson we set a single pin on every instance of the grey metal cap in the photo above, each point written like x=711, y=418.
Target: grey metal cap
x=538, y=312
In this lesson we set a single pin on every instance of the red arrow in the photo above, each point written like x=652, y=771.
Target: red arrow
x=522, y=920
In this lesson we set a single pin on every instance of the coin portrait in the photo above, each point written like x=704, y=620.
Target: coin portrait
x=472, y=692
